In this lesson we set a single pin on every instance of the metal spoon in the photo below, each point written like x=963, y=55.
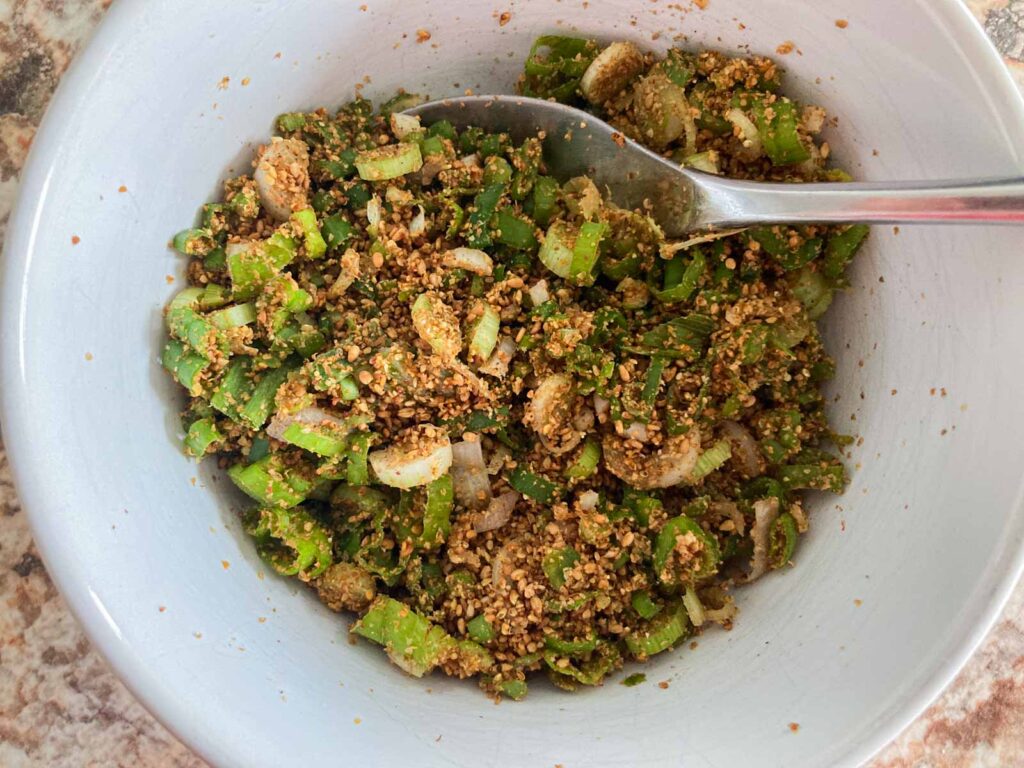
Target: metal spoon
x=682, y=200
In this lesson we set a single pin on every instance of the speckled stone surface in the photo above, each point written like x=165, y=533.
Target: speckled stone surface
x=59, y=704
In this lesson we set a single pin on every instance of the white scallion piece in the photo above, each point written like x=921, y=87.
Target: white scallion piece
x=470, y=259
x=282, y=177
x=419, y=456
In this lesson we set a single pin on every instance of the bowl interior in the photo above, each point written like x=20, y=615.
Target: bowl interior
x=897, y=580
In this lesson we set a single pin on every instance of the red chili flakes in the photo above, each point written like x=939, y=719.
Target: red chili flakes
x=794, y=727
x=702, y=4
x=357, y=720
x=842, y=23
x=246, y=81
x=75, y=239
x=122, y=189
x=277, y=55
x=785, y=48
x=504, y=18
x=858, y=602
x=618, y=138
x=225, y=564
x=162, y=608
x=422, y=35
x=223, y=84
x=169, y=279
x=663, y=685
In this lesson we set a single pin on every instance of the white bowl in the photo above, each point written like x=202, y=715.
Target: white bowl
x=253, y=671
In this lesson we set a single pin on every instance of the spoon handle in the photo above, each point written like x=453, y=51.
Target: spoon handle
x=725, y=202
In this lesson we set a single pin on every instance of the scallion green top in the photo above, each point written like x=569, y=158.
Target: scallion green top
x=505, y=422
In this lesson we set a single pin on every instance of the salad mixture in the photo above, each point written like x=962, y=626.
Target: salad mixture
x=506, y=423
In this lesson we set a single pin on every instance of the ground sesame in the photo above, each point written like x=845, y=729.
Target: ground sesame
x=413, y=392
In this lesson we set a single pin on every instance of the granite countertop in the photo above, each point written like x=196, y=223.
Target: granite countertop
x=59, y=703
